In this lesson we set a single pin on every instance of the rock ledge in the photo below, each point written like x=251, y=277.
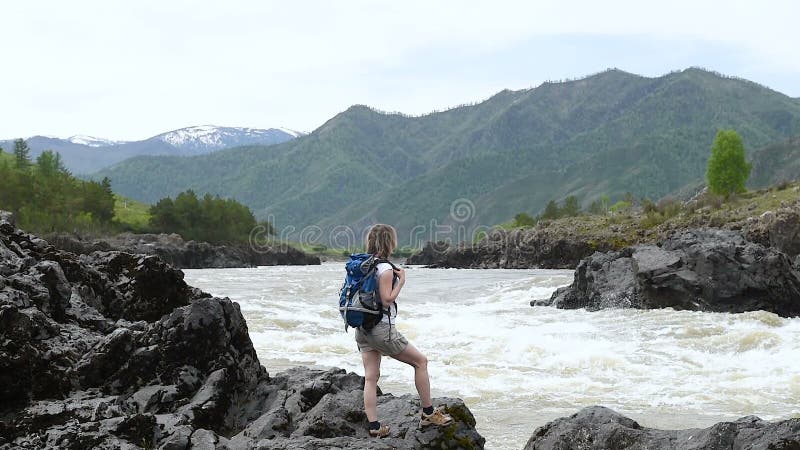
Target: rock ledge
x=703, y=270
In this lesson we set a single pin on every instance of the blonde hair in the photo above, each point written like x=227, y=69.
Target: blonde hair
x=381, y=240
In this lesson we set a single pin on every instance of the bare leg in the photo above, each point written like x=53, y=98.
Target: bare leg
x=411, y=356
x=372, y=371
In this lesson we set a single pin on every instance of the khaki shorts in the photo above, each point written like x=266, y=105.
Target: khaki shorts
x=383, y=338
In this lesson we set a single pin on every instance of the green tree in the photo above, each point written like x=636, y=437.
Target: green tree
x=551, y=211
x=162, y=215
x=49, y=164
x=648, y=206
x=210, y=218
x=269, y=228
x=98, y=200
x=620, y=206
x=46, y=197
x=571, y=207
x=600, y=206
x=524, y=220
x=727, y=169
x=9, y=186
x=629, y=198
x=606, y=202
x=22, y=154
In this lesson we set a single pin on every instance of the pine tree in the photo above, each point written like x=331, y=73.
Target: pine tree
x=596, y=207
x=551, y=211
x=22, y=154
x=606, y=202
x=49, y=164
x=524, y=220
x=571, y=207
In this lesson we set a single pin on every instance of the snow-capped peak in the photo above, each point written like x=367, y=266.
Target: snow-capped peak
x=294, y=133
x=92, y=141
x=214, y=137
x=206, y=134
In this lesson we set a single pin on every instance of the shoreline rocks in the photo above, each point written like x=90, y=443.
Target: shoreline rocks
x=599, y=428
x=540, y=248
x=778, y=229
x=113, y=350
x=562, y=243
x=703, y=270
x=186, y=254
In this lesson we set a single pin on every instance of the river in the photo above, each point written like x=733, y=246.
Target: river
x=518, y=367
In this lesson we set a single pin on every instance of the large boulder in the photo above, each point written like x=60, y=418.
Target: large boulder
x=705, y=270
x=599, y=428
x=114, y=350
x=779, y=229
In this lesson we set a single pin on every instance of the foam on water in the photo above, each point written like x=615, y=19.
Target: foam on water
x=518, y=367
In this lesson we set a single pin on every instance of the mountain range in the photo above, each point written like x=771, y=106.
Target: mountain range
x=606, y=134
x=85, y=154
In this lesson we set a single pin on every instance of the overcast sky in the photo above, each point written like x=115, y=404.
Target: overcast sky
x=130, y=70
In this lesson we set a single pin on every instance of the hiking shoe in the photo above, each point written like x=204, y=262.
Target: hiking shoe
x=437, y=417
x=381, y=432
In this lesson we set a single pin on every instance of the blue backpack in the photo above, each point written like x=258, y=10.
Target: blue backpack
x=359, y=301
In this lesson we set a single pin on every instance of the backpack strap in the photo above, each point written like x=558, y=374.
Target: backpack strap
x=382, y=260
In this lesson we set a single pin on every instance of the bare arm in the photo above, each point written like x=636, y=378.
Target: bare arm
x=388, y=293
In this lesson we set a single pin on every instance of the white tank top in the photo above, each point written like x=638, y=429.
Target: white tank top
x=383, y=267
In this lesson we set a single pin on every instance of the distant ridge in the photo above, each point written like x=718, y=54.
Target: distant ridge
x=84, y=154
x=92, y=141
x=206, y=138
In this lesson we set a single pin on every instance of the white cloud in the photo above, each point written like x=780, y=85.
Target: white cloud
x=131, y=69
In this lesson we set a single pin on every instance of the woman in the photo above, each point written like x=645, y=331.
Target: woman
x=384, y=339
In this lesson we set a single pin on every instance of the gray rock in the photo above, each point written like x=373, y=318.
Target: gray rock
x=206, y=440
x=778, y=229
x=336, y=419
x=705, y=270
x=539, y=247
x=599, y=428
x=172, y=249
x=10, y=261
x=7, y=217
x=178, y=439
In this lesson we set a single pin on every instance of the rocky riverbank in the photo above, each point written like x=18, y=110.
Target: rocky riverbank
x=599, y=428
x=703, y=270
x=114, y=350
x=186, y=254
x=544, y=247
x=770, y=218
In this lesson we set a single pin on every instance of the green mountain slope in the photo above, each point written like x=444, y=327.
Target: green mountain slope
x=776, y=163
x=606, y=134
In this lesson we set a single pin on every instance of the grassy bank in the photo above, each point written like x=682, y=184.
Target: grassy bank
x=131, y=215
x=648, y=222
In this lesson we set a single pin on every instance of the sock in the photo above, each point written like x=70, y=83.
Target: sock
x=428, y=410
x=374, y=425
